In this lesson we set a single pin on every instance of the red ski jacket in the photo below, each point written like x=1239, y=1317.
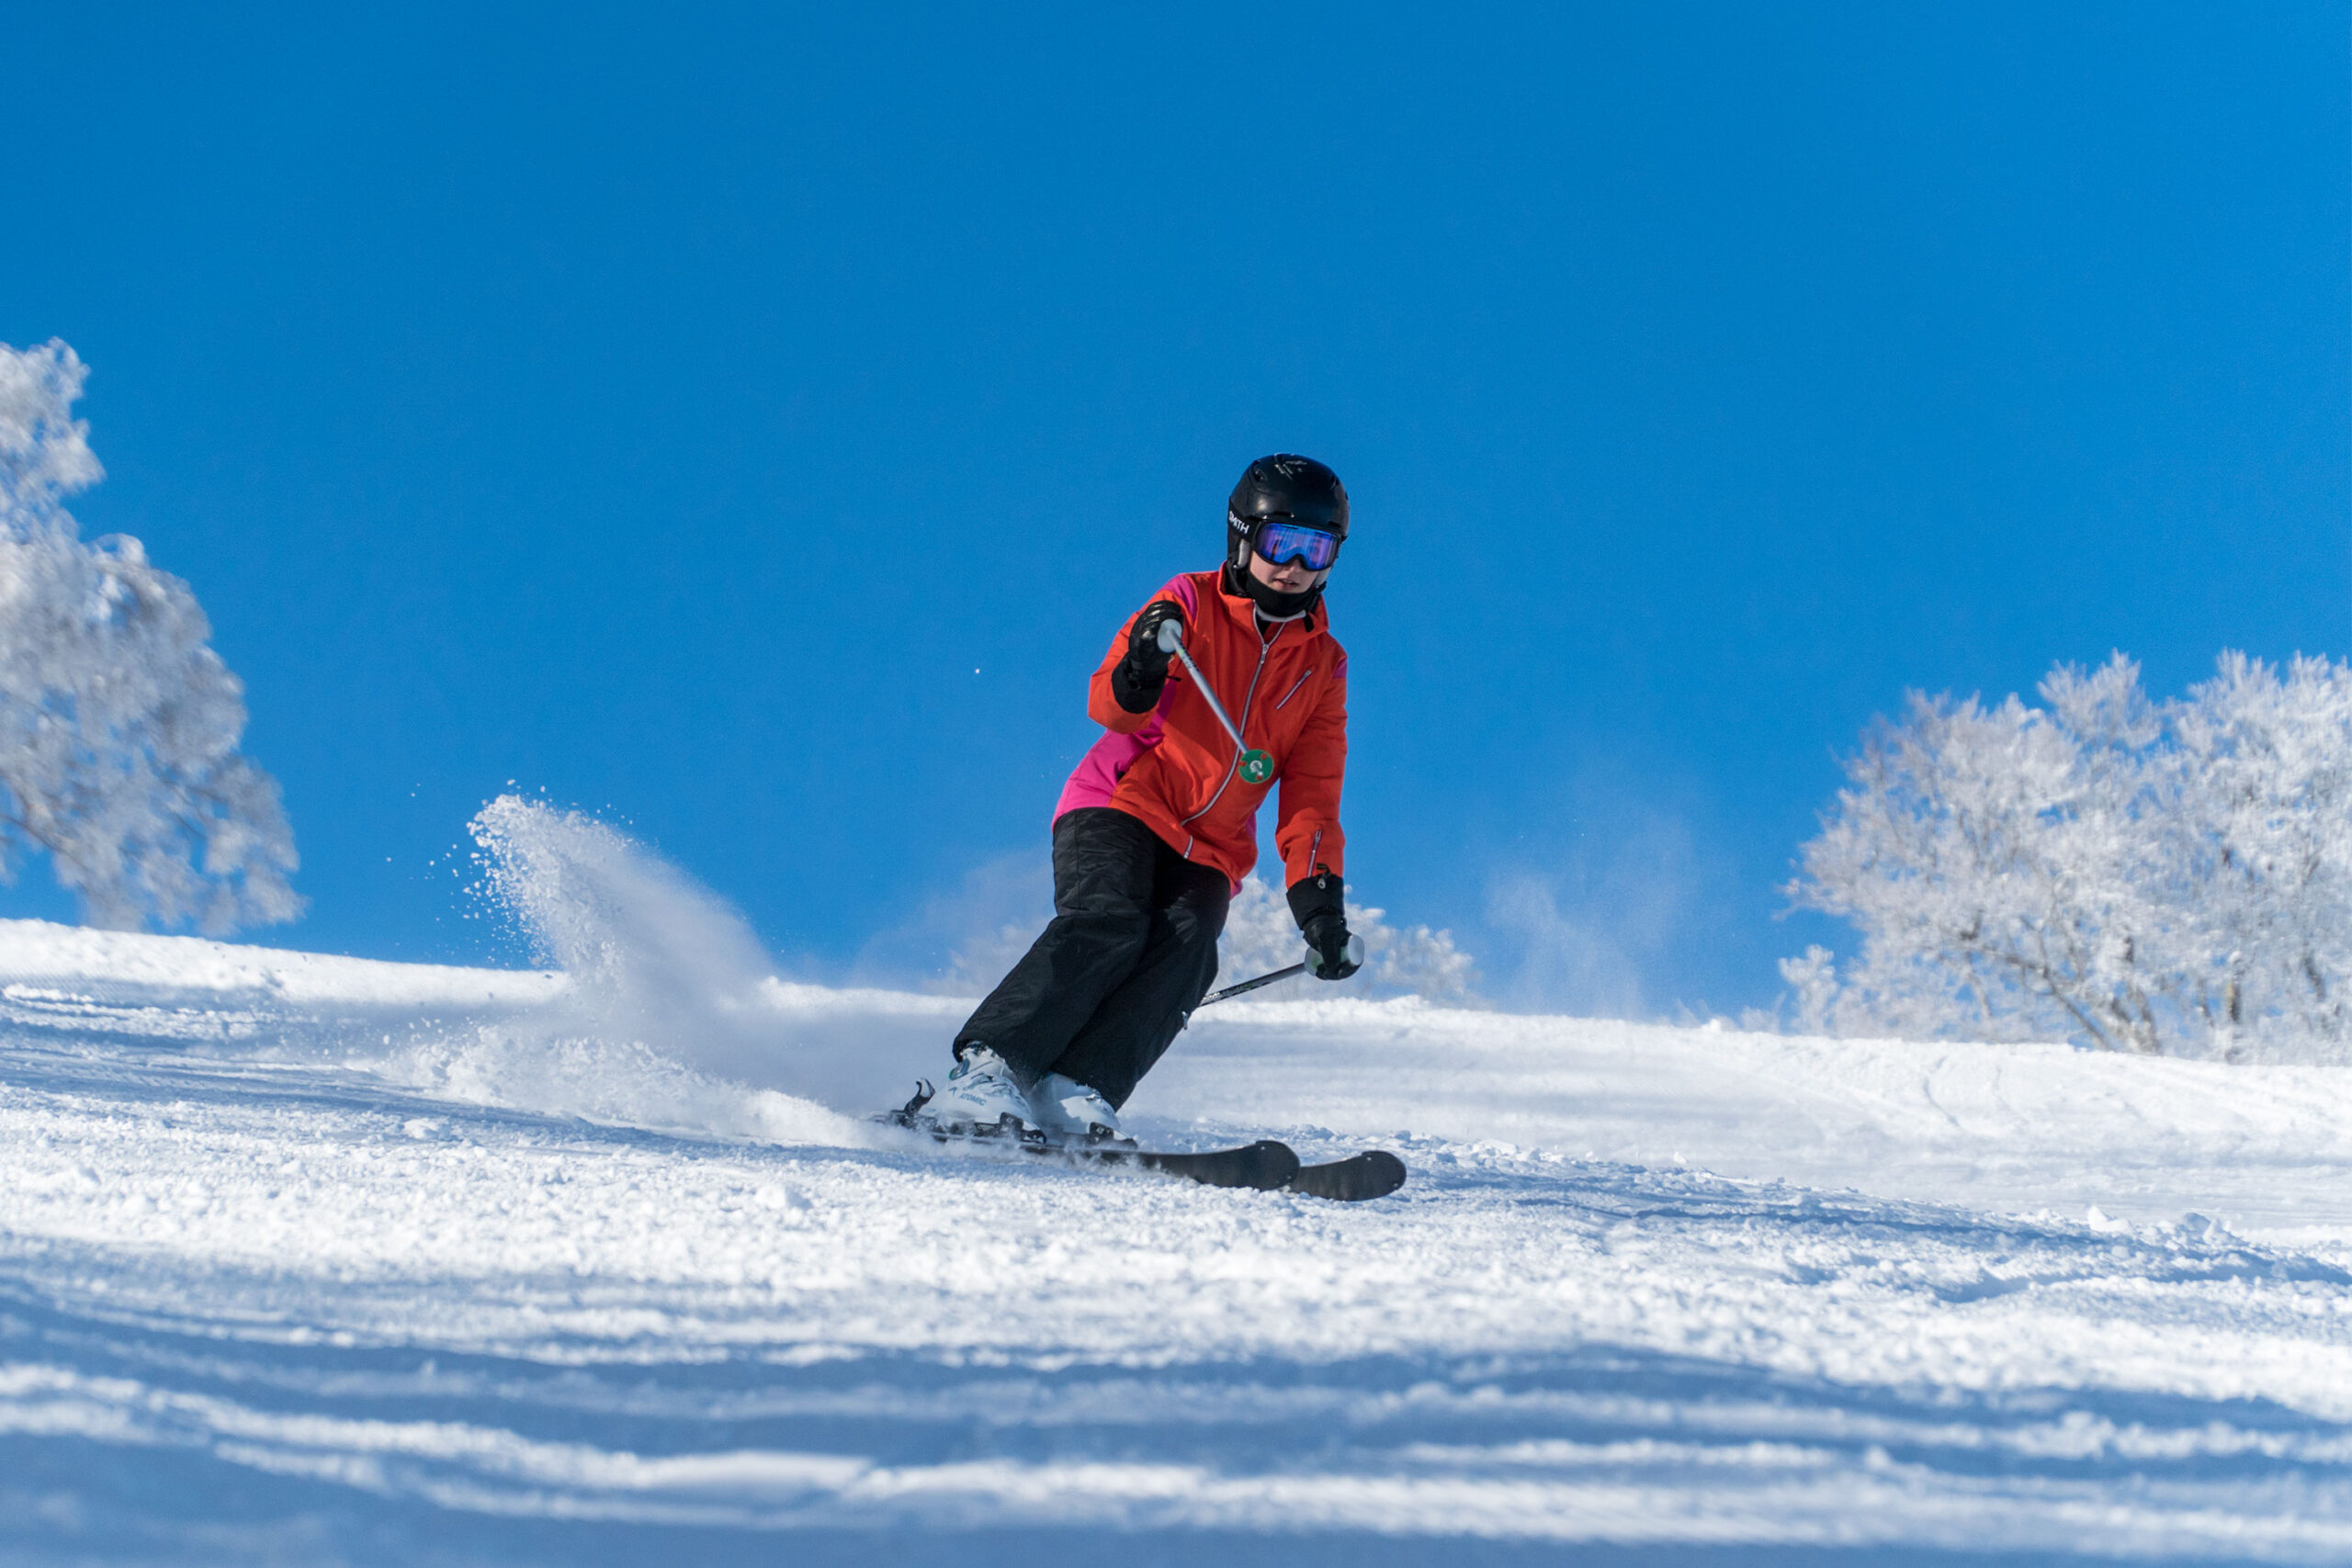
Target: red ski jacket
x=1176, y=769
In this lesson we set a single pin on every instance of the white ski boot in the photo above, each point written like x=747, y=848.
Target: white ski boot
x=1070, y=1111
x=980, y=1097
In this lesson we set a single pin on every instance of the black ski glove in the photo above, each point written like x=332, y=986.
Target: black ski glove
x=1322, y=915
x=1136, y=678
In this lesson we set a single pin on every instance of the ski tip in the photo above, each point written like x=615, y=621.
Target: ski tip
x=1375, y=1173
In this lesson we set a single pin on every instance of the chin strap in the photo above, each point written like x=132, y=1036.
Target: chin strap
x=1271, y=605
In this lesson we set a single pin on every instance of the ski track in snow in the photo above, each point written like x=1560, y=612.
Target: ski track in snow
x=317, y=1260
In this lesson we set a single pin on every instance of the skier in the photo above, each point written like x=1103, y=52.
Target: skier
x=1158, y=825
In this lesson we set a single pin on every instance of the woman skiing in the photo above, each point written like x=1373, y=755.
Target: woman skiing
x=1158, y=826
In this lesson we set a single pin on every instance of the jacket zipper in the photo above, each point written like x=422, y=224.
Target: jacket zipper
x=1242, y=724
x=1294, y=689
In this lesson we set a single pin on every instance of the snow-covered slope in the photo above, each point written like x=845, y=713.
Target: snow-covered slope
x=320, y=1260
x=36, y=955
x=2001, y=1127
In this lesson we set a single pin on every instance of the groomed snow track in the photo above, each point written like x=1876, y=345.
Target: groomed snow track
x=283, y=1278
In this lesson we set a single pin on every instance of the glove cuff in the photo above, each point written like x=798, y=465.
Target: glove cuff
x=1315, y=896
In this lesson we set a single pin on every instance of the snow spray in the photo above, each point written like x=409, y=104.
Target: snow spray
x=661, y=1022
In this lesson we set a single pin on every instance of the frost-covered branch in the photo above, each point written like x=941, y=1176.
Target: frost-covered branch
x=2138, y=876
x=118, y=723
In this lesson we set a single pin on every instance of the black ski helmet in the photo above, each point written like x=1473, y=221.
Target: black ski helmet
x=1286, y=487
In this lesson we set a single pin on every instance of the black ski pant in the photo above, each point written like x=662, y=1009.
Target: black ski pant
x=1130, y=952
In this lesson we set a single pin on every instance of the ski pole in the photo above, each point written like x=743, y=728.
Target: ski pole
x=1257, y=767
x=1252, y=984
x=1355, y=956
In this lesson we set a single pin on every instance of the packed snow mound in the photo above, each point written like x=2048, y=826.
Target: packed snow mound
x=2005, y=1127
x=121, y=964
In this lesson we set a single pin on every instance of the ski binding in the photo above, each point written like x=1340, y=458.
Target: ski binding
x=1266, y=1166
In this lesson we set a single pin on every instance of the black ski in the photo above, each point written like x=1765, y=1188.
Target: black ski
x=1375, y=1173
x=1267, y=1166
x=1264, y=1165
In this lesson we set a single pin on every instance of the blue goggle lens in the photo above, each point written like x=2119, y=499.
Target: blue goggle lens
x=1281, y=543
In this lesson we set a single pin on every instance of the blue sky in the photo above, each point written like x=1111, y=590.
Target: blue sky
x=750, y=424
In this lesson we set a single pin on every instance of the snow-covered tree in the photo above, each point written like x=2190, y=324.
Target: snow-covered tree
x=2264, y=760
x=118, y=723
x=2138, y=876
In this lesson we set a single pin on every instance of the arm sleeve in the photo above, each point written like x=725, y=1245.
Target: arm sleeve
x=1307, y=832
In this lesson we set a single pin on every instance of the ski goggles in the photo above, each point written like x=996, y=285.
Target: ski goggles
x=1281, y=543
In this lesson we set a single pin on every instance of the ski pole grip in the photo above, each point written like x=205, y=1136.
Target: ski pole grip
x=1171, y=636
x=1356, y=956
